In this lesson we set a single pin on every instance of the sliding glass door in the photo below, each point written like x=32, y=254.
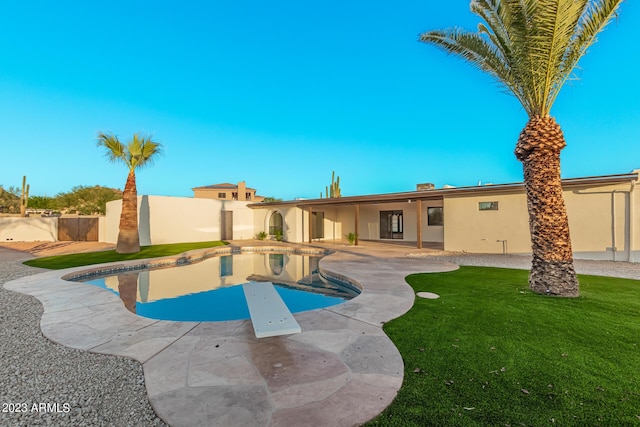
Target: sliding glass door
x=391, y=226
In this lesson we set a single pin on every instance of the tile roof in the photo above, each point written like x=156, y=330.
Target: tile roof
x=221, y=186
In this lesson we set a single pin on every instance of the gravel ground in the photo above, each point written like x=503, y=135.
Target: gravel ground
x=81, y=388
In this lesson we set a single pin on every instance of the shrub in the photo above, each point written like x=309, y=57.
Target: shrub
x=351, y=237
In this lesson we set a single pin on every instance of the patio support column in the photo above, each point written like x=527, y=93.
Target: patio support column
x=310, y=223
x=357, y=220
x=419, y=216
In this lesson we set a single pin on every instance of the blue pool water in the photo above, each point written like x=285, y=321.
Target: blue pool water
x=211, y=290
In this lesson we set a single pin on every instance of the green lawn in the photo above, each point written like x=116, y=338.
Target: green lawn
x=491, y=353
x=76, y=260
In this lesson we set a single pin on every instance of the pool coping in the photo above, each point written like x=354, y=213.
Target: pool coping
x=341, y=370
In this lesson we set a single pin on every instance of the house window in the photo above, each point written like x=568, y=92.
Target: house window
x=222, y=195
x=488, y=206
x=275, y=224
x=435, y=216
x=248, y=196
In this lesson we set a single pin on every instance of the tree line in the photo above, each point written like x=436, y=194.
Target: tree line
x=83, y=200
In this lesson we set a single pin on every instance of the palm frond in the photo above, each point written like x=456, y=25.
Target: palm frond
x=143, y=150
x=478, y=52
x=115, y=151
x=138, y=152
x=593, y=19
x=530, y=46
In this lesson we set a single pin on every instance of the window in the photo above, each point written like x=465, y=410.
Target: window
x=435, y=216
x=248, y=196
x=275, y=224
x=488, y=206
x=222, y=195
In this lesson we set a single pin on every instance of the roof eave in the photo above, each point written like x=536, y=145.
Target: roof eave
x=442, y=192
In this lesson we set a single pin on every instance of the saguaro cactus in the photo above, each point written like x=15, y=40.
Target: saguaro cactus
x=332, y=190
x=335, y=186
x=24, y=197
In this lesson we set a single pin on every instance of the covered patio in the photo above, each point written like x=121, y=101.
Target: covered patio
x=410, y=219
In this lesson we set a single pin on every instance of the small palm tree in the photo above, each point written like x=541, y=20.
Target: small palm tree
x=138, y=152
x=532, y=48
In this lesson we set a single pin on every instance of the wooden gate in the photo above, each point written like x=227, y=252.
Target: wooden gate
x=78, y=229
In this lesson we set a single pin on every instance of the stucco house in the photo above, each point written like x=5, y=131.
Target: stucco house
x=602, y=213
x=483, y=219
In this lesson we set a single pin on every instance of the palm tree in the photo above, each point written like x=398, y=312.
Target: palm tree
x=138, y=152
x=532, y=48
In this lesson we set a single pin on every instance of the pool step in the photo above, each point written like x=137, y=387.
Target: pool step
x=269, y=314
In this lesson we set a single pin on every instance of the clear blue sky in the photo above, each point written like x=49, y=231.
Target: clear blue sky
x=281, y=93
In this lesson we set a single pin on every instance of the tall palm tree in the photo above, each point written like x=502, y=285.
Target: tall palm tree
x=532, y=48
x=138, y=152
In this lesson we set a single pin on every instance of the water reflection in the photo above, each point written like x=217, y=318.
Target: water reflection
x=206, y=290
x=128, y=289
x=276, y=263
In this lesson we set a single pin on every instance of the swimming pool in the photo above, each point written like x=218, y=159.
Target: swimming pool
x=210, y=290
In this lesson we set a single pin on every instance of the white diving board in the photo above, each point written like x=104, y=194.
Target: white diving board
x=269, y=314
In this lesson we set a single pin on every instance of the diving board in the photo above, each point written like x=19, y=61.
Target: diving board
x=269, y=314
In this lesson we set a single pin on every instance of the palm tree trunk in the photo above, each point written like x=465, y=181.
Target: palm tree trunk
x=538, y=149
x=128, y=240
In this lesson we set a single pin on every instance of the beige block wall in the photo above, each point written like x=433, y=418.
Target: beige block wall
x=600, y=221
x=30, y=229
x=469, y=229
x=594, y=213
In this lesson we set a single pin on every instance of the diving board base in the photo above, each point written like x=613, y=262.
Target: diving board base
x=269, y=314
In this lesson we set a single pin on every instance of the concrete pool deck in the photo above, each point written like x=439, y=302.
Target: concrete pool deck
x=341, y=370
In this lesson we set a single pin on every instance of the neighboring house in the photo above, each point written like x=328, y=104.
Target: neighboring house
x=226, y=191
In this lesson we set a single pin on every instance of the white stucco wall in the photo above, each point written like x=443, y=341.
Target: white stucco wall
x=242, y=218
x=30, y=229
x=163, y=219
